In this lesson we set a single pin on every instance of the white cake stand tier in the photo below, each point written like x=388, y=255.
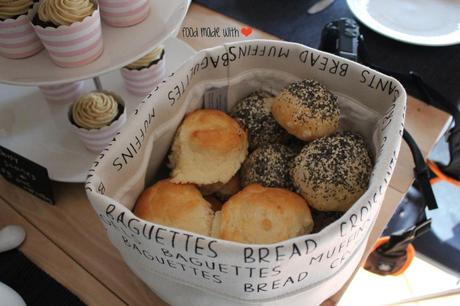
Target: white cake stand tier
x=40, y=131
x=121, y=47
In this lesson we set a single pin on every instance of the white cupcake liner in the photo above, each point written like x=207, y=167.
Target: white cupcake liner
x=17, y=37
x=142, y=82
x=62, y=93
x=75, y=45
x=124, y=13
x=97, y=139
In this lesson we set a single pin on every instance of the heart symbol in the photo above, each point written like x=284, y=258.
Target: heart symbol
x=246, y=31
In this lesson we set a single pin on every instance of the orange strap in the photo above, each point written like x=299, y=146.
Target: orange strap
x=410, y=254
x=440, y=176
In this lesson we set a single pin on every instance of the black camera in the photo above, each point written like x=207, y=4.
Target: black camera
x=341, y=37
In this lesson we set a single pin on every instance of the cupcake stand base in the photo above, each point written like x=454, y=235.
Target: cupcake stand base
x=39, y=131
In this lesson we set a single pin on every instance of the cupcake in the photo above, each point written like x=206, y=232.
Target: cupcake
x=62, y=93
x=124, y=13
x=17, y=37
x=70, y=30
x=143, y=75
x=96, y=117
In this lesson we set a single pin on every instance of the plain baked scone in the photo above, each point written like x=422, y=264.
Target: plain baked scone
x=175, y=205
x=209, y=147
x=262, y=215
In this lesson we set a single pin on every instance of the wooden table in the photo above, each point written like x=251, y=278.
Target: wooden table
x=69, y=243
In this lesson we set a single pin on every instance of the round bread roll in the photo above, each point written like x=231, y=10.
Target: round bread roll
x=65, y=12
x=307, y=110
x=209, y=147
x=331, y=173
x=263, y=215
x=269, y=166
x=175, y=205
x=220, y=190
x=254, y=114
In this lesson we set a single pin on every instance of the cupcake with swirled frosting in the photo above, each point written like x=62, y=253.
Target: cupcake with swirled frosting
x=17, y=37
x=55, y=13
x=70, y=30
x=124, y=13
x=143, y=75
x=96, y=117
x=10, y=9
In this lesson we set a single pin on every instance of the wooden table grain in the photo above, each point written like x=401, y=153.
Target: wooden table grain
x=84, y=260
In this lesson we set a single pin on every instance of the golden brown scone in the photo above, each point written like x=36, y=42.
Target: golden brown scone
x=331, y=173
x=263, y=215
x=209, y=147
x=222, y=191
x=307, y=110
x=175, y=205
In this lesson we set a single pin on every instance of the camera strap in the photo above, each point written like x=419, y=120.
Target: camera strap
x=451, y=171
x=422, y=173
x=393, y=254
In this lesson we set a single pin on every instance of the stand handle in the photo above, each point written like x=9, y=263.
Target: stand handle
x=98, y=84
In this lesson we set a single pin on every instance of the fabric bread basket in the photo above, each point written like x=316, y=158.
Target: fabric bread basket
x=184, y=268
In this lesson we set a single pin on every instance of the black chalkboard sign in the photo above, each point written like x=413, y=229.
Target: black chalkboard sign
x=26, y=174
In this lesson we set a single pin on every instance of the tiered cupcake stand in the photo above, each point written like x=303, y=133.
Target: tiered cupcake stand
x=39, y=130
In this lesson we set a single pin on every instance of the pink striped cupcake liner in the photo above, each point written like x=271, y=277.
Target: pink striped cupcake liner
x=17, y=37
x=97, y=140
x=75, y=45
x=62, y=93
x=124, y=13
x=142, y=82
